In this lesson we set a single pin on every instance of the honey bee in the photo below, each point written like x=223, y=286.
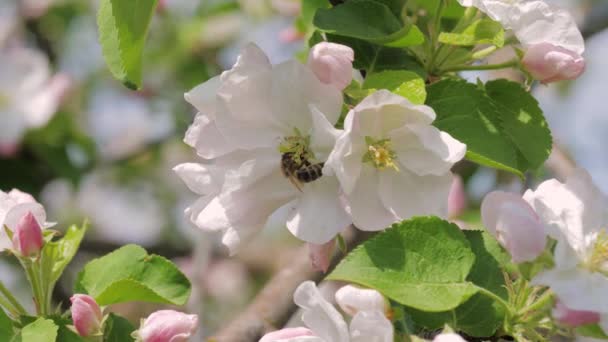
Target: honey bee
x=300, y=171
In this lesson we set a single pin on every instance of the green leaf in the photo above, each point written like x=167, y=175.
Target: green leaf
x=502, y=124
x=421, y=263
x=480, y=316
x=376, y=58
x=401, y=82
x=593, y=331
x=368, y=20
x=522, y=122
x=123, y=27
x=131, y=274
x=117, y=329
x=41, y=330
x=6, y=325
x=67, y=335
x=482, y=31
x=309, y=8
x=58, y=254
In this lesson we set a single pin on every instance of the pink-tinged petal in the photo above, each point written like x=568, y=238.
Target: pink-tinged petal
x=332, y=63
x=206, y=138
x=457, y=199
x=286, y=334
x=548, y=63
x=371, y=326
x=345, y=161
x=168, y=326
x=319, y=315
x=574, y=318
x=204, y=96
x=320, y=255
x=86, y=314
x=352, y=299
x=319, y=213
x=514, y=224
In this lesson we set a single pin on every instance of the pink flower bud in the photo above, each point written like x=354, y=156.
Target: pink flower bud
x=457, y=199
x=86, y=315
x=286, y=333
x=27, y=237
x=332, y=63
x=549, y=63
x=514, y=224
x=320, y=255
x=168, y=326
x=574, y=318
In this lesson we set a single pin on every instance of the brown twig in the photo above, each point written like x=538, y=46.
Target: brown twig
x=273, y=306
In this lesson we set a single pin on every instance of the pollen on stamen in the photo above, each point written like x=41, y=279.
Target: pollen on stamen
x=598, y=261
x=380, y=154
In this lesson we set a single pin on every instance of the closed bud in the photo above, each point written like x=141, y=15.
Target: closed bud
x=167, y=326
x=332, y=63
x=283, y=334
x=514, y=224
x=27, y=237
x=549, y=63
x=320, y=255
x=86, y=315
x=574, y=318
x=352, y=299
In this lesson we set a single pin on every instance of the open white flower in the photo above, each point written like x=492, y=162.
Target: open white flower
x=326, y=324
x=28, y=98
x=392, y=163
x=14, y=205
x=575, y=213
x=275, y=126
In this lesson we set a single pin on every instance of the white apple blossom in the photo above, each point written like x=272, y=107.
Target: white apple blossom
x=353, y=299
x=252, y=118
x=14, y=205
x=575, y=214
x=449, y=337
x=28, y=98
x=326, y=324
x=392, y=163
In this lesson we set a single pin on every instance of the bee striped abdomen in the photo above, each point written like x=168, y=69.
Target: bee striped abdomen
x=310, y=173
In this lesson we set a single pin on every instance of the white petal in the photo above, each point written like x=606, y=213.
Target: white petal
x=492, y=206
x=384, y=111
x=594, y=214
x=345, y=161
x=14, y=215
x=367, y=208
x=408, y=194
x=204, y=135
x=536, y=22
x=604, y=323
x=198, y=178
x=290, y=335
x=352, y=299
x=448, y=337
x=319, y=315
x=294, y=89
x=371, y=326
x=204, y=96
x=324, y=135
x=425, y=150
x=577, y=288
x=319, y=213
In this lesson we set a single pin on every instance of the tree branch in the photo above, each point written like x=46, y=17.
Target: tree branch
x=273, y=306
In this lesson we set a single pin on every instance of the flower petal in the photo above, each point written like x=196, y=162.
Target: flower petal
x=204, y=96
x=345, y=161
x=204, y=135
x=323, y=136
x=367, y=207
x=425, y=150
x=319, y=213
x=319, y=315
x=198, y=178
x=408, y=194
x=371, y=326
x=352, y=300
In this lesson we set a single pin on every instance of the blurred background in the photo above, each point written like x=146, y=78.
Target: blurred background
x=86, y=147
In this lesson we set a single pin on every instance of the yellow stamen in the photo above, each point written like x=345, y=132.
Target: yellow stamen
x=380, y=154
x=598, y=261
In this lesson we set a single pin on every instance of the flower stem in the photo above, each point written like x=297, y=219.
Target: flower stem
x=505, y=65
x=13, y=304
x=497, y=298
x=34, y=277
x=542, y=301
